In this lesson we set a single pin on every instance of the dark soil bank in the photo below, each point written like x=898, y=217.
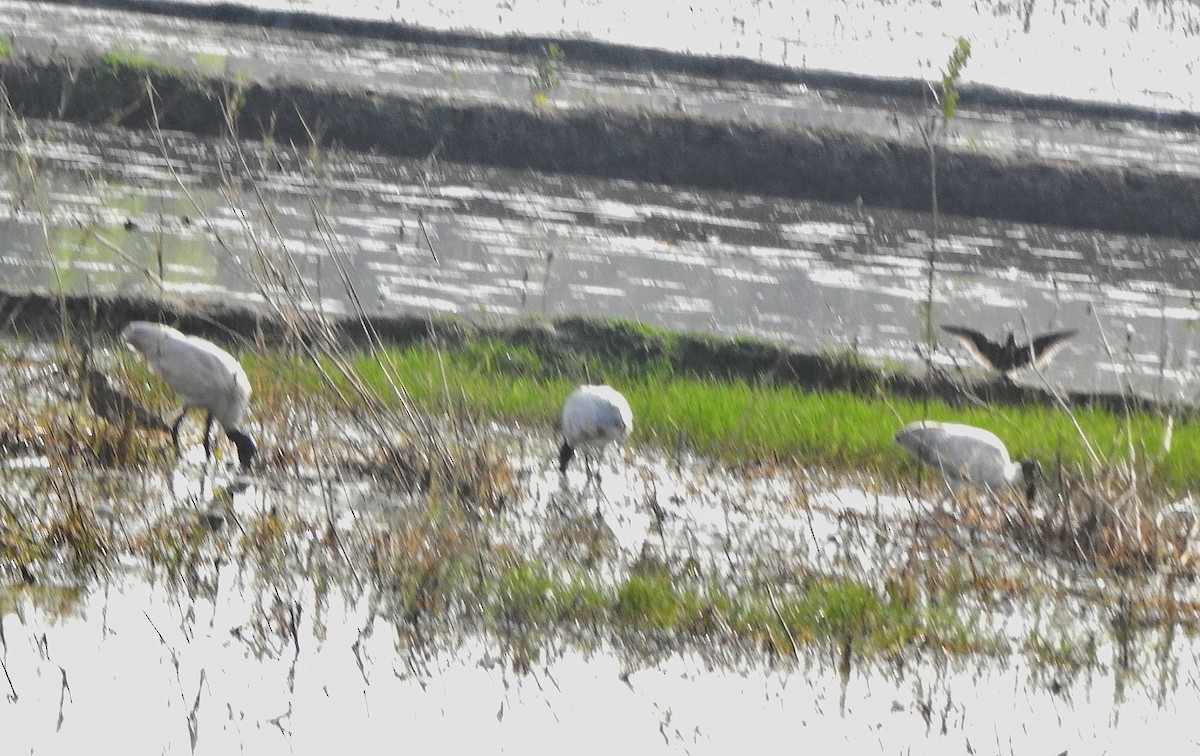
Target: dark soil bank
x=672, y=148
x=559, y=343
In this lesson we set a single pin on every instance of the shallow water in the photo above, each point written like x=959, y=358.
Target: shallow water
x=473, y=77
x=161, y=673
x=110, y=211
x=238, y=639
x=225, y=656
x=229, y=657
x=123, y=213
x=1128, y=51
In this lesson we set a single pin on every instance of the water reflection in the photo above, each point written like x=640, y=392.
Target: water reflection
x=288, y=670
x=811, y=275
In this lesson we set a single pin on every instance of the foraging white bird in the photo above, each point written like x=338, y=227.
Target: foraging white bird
x=1009, y=357
x=205, y=377
x=964, y=454
x=593, y=417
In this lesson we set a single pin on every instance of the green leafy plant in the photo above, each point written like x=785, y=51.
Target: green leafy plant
x=123, y=60
x=949, y=85
x=933, y=130
x=546, y=75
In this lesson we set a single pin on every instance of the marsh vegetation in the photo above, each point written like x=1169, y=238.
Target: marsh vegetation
x=416, y=489
x=406, y=508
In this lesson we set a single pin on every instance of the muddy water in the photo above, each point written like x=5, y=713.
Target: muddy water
x=110, y=211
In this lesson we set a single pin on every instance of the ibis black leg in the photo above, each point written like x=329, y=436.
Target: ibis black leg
x=175, y=431
x=207, y=436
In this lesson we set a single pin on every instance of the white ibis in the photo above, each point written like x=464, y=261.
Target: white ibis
x=966, y=455
x=205, y=377
x=1009, y=357
x=592, y=417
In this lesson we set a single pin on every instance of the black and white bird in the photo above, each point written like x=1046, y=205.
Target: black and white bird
x=966, y=455
x=205, y=377
x=592, y=417
x=1009, y=357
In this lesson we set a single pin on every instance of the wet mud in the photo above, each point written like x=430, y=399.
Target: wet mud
x=679, y=149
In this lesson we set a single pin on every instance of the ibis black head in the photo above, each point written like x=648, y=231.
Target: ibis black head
x=245, y=447
x=564, y=456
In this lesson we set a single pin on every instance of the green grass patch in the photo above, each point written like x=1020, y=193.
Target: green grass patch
x=847, y=609
x=6, y=48
x=123, y=60
x=826, y=610
x=293, y=370
x=651, y=601
x=1061, y=651
x=526, y=593
x=210, y=63
x=735, y=419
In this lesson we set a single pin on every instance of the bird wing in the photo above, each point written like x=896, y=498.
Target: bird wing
x=583, y=421
x=592, y=414
x=985, y=351
x=1048, y=344
x=204, y=375
x=610, y=421
x=959, y=452
x=616, y=413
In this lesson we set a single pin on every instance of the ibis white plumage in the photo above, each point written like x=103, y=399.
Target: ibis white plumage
x=204, y=375
x=966, y=455
x=592, y=418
